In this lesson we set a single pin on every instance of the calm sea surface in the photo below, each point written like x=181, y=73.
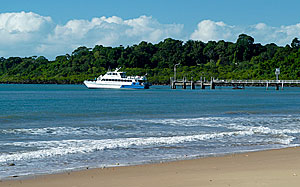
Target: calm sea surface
x=54, y=128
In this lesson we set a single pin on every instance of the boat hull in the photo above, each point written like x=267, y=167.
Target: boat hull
x=97, y=85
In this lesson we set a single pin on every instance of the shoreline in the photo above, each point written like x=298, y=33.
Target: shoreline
x=276, y=167
x=150, y=162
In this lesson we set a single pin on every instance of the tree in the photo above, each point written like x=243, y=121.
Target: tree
x=239, y=60
x=244, y=47
x=295, y=43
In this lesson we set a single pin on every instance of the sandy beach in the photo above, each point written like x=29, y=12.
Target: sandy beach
x=265, y=168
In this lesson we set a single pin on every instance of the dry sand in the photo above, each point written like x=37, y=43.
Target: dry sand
x=266, y=168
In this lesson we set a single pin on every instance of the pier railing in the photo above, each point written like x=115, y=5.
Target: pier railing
x=257, y=81
x=212, y=83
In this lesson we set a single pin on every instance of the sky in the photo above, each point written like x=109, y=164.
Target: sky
x=57, y=27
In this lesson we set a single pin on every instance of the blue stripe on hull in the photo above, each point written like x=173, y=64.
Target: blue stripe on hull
x=133, y=86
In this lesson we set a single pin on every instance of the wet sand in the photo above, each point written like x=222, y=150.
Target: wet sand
x=265, y=168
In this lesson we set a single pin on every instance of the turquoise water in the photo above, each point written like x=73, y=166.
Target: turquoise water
x=54, y=128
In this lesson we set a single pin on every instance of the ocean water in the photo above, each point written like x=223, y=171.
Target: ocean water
x=54, y=128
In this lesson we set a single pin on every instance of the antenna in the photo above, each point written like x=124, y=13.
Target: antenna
x=117, y=69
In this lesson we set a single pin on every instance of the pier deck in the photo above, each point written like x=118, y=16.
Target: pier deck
x=184, y=83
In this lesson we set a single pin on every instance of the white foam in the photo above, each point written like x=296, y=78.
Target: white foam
x=234, y=128
x=224, y=121
x=257, y=125
x=56, y=148
x=265, y=130
x=60, y=131
x=249, y=122
x=187, y=121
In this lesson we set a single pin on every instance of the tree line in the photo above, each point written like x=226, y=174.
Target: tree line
x=243, y=59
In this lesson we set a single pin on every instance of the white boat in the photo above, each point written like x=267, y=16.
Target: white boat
x=116, y=79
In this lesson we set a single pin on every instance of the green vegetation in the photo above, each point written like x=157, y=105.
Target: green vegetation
x=224, y=60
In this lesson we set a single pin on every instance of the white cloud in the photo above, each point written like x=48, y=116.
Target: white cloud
x=209, y=30
x=28, y=34
x=262, y=33
x=112, y=31
x=19, y=27
x=21, y=32
x=22, y=22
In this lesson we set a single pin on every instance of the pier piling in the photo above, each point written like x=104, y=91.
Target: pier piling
x=202, y=86
x=192, y=84
x=212, y=84
x=184, y=83
x=173, y=85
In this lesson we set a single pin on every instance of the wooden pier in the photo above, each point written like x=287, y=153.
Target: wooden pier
x=239, y=84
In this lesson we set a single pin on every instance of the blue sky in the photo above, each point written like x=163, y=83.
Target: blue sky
x=51, y=28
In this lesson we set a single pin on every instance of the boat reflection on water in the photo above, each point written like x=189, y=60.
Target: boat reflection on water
x=238, y=87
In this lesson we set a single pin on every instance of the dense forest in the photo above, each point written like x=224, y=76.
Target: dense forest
x=243, y=59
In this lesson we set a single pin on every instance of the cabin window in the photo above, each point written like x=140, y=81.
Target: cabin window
x=123, y=75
